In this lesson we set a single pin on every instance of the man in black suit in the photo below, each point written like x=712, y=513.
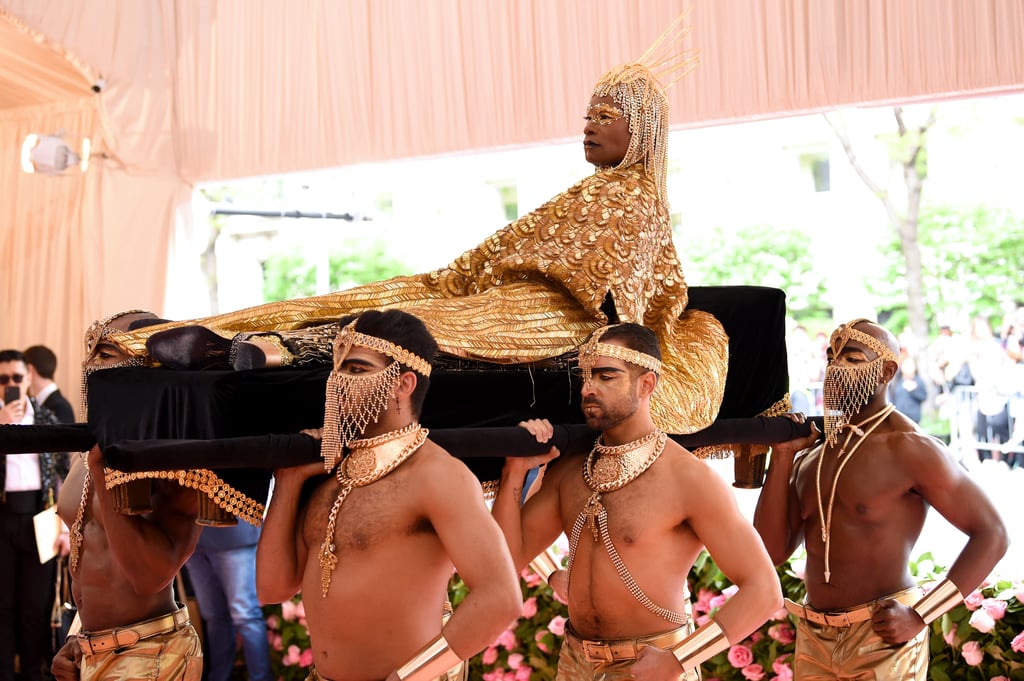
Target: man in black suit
x=42, y=364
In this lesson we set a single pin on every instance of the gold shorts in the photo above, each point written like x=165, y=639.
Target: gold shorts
x=830, y=650
x=175, y=655
x=612, y=660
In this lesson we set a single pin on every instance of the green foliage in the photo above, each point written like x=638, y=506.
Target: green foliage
x=758, y=255
x=970, y=259
x=289, y=275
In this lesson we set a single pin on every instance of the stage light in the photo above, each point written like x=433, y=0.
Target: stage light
x=51, y=155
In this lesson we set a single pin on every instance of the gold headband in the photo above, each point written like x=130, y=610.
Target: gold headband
x=348, y=337
x=593, y=348
x=845, y=333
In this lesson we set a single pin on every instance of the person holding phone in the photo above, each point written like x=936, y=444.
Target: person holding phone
x=27, y=486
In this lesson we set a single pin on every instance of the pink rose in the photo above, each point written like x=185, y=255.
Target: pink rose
x=703, y=602
x=539, y=639
x=994, y=607
x=950, y=637
x=974, y=600
x=291, y=658
x=288, y=611
x=730, y=591
x=753, y=672
x=702, y=620
x=306, y=658
x=782, y=669
x=972, y=653
x=508, y=640
x=273, y=622
x=756, y=636
x=1000, y=678
x=494, y=675
x=718, y=601
x=557, y=625
x=1017, y=644
x=740, y=656
x=531, y=578
x=530, y=607
x=781, y=614
x=524, y=673
x=514, y=660
x=982, y=621
x=782, y=632
x=277, y=643
x=490, y=655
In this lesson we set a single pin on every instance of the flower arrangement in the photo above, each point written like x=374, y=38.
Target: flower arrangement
x=979, y=640
x=290, y=651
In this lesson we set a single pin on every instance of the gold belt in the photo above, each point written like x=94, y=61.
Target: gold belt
x=613, y=650
x=92, y=643
x=830, y=618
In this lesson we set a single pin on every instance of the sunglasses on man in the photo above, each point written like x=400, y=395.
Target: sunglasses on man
x=7, y=378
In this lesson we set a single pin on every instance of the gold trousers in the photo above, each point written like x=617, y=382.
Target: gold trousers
x=829, y=653
x=612, y=659
x=457, y=674
x=173, y=656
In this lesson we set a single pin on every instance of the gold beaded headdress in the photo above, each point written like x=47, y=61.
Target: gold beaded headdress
x=594, y=348
x=844, y=333
x=353, y=401
x=637, y=88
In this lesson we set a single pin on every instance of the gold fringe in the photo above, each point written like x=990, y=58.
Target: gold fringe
x=222, y=494
x=726, y=451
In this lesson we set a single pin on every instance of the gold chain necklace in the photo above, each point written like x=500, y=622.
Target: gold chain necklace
x=843, y=457
x=627, y=462
x=368, y=461
x=76, y=527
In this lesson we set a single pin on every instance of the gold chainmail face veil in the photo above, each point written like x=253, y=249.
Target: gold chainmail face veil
x=848, y=388
x=353, y=401
x=594, y=348
x=637, y=88
x=97, y=333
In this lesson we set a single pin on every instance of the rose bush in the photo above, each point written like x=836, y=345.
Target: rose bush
x=979, y=640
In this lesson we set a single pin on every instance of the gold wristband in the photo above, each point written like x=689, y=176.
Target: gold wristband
x=435, y=659
x=700, y=646
x=545, y=564
x=936, y=602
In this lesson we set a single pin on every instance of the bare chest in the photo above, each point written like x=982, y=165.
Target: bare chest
x=863, y=484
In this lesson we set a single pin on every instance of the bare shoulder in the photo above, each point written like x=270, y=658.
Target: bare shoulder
x=438, y=471
x=697, y=477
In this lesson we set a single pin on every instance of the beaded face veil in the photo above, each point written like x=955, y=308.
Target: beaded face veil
x=849, y=387
x=638, y=90
x=353, y=401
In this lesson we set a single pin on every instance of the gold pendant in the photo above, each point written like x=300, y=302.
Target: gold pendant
x=593, y=509
x=361, y=463
x=606, y=470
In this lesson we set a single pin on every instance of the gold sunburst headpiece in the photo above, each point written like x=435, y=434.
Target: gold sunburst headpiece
x=637, y=87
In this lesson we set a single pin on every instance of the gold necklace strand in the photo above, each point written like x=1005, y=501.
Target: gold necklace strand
x=76, y=527
x=843, y=457
x=645, y=452
x=407, y=440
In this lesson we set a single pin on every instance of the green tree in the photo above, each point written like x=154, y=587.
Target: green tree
x=759, y=255
x=288, y=275
x=970, y=259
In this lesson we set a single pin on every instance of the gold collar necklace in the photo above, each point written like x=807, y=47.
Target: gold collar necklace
x=843, y=457
x=368, y=461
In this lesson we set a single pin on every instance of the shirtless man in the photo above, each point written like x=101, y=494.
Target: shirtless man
x=123, y=567
x=373, y=547
x=638, y=510
x=858, y=503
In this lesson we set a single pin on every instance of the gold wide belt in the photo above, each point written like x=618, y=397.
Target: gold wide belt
x=830, y=618
x=124, y=637
x=613, y=650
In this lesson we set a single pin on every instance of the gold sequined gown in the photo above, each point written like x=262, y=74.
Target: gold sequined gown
x=534, y=290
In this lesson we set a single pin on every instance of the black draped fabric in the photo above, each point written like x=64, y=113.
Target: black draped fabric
x=144, y=404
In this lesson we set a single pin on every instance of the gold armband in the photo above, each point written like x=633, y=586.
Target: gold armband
x=435, y=659
x=700, y=646
x=936, y=602
x=545, y=564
